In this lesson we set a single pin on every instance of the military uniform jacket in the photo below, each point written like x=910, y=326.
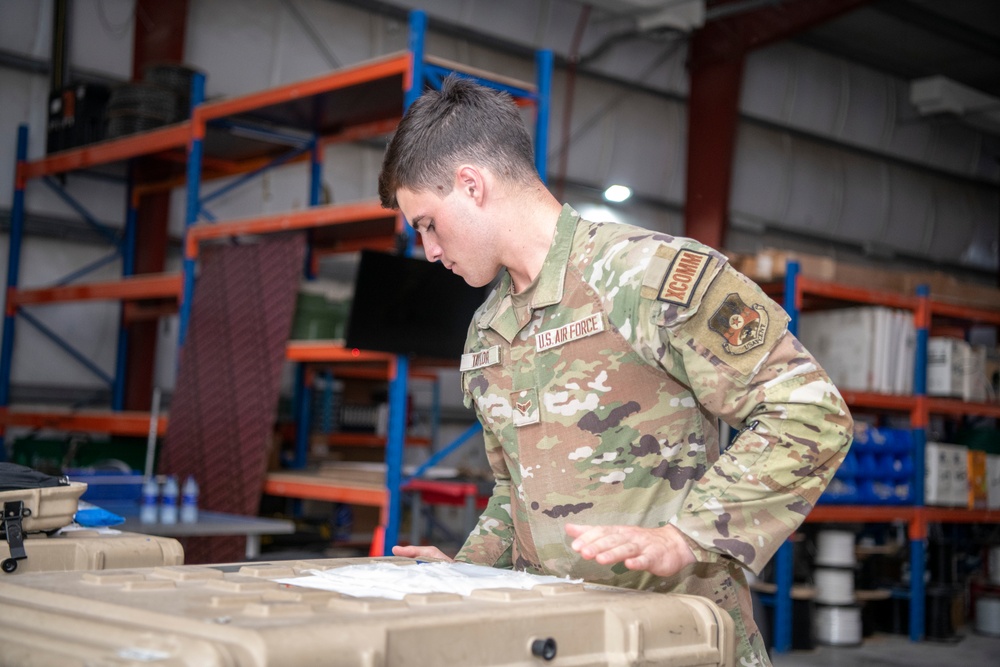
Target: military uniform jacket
x=601, y=408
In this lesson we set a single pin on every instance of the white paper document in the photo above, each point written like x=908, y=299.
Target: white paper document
x=388, y=580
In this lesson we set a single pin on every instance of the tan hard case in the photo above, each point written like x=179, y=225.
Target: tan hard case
x=92, y=550
x=238, y=615
x=49, y=508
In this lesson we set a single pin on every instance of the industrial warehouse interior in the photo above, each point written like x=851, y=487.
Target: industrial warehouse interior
x=662, y=332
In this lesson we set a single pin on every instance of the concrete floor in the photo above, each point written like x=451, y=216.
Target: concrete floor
x=897, y=651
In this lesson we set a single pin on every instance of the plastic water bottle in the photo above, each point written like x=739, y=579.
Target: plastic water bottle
x=168, y=501
x=189, y=501
x=150, y=499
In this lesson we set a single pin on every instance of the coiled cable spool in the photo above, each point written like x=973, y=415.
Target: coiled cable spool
x=838, y=625
x=835, y=548
x=834, y=585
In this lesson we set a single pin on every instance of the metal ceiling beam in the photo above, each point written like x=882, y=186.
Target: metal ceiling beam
x=716, y=60
x=940, y=25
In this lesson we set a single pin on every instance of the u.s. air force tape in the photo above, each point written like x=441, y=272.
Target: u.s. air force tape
x=588, y=326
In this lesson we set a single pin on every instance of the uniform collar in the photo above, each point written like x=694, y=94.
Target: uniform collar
x=551, y=280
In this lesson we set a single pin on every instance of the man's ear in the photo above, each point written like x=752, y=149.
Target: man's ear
x=471, y=182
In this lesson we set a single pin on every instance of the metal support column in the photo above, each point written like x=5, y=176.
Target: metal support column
x=128, y=269
x=716, y=58
x=195, y=150
x=782, y=631
x=13, y=271
x=543, y=75
x=918, y=532
x=398, y=385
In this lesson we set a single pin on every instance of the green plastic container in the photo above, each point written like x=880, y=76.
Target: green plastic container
x=319, y=318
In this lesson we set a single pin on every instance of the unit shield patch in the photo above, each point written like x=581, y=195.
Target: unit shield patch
x=743, y=327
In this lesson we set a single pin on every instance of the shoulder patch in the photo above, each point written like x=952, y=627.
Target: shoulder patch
x=682, y=278
x=737, y=322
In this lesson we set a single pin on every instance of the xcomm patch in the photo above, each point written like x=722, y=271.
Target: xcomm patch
x=683, y=276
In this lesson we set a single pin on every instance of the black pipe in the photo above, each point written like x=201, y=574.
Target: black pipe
x=59, y=75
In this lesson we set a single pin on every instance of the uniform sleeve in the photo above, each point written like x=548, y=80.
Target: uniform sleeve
x=491, y=540
x=733, y=350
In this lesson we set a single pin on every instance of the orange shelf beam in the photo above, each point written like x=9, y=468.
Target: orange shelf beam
x=318, y=216
x=856, y=294
x=325, y=350
x=861, y=513
x=957, y=515
x=362, y=131
x=155, y=286
x=957, y=408
x=968, y=313
x=369, y=71
x=313, y=487
x=368, y=440
x=864, y=399
x=381, y=374
x=112, y=150
x=116, y=423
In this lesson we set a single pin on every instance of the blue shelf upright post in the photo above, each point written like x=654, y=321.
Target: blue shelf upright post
x=398, y=385
x=195, y=152
x=918, y=541
x=13, y=271
x=783, y=564
x=128, y=269
x=303, y=391
x=543, y=70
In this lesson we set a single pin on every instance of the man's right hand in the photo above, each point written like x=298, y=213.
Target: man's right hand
x=429, y=553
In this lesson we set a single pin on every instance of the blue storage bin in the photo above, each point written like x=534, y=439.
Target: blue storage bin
x=108, y=484
x=877, y=470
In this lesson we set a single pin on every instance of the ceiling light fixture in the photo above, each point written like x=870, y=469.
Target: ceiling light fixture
x=617, y=193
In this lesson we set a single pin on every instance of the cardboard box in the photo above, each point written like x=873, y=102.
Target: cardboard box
x=946, y=366
x=948, y=288
x=993, y=481
x=958, y=456
x=978, y=482
x=938, y=475
x=769, y=265
x=975, y=382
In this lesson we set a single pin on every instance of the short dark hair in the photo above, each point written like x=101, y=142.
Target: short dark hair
x=463, y=122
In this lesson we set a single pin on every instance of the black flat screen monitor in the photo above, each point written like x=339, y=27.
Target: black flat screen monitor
x=410, y=306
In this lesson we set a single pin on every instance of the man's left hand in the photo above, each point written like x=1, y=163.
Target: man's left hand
x=660, y=551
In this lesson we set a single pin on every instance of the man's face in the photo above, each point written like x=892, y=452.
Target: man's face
x=452, y=233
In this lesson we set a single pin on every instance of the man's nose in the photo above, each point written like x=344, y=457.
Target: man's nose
x=431, y=250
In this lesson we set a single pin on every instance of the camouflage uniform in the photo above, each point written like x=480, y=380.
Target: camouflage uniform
x=599, y=406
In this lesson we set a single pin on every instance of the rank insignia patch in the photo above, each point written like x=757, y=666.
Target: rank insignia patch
x=743, y=327
x=525, y=407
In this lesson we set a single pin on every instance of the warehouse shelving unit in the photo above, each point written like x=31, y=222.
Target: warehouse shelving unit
x=243, y=137
x=919, y=407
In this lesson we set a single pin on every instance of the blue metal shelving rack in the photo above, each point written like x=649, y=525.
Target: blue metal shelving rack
x=423, y=72
x=783, y=565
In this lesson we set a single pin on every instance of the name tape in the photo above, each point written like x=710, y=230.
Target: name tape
x=474, y=360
